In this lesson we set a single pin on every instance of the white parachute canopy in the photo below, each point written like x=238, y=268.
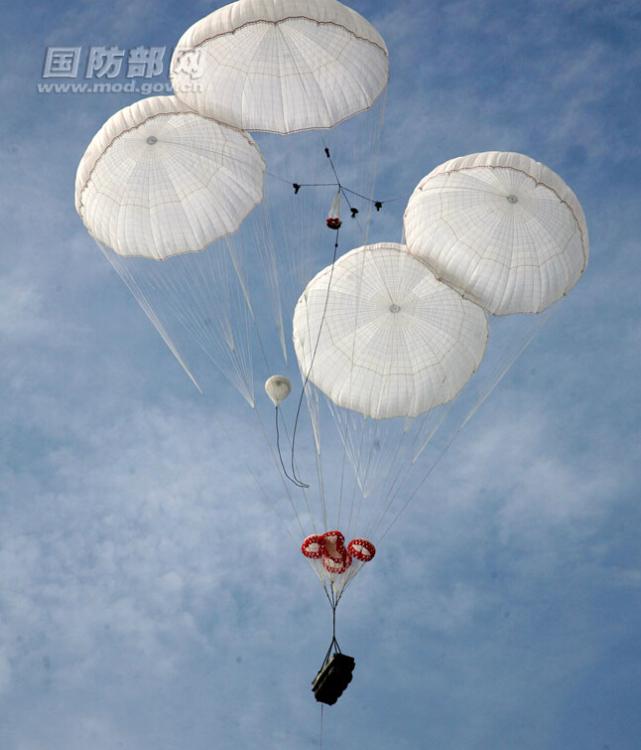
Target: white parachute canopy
x=377, y=333
x=159, y=182
x=501, y=228
x=280, y=65
x=158, y=179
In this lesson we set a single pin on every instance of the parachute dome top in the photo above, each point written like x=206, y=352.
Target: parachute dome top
x=280, y=65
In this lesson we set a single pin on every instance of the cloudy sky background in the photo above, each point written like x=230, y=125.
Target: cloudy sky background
x=147, y=599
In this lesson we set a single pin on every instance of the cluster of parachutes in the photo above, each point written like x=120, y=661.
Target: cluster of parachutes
x=394, y=330
x=404, y=327
x=174, y=191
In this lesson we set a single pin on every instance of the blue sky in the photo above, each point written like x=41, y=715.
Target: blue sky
x=148, y=598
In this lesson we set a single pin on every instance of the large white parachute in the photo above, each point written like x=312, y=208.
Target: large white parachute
x=280, y=65
x=158, y=180
x=503, y=229
x=378, y=334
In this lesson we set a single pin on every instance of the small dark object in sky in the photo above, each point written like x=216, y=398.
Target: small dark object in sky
x=354, y=212
x=333, y=678
x=378, y=205
x=296, y=187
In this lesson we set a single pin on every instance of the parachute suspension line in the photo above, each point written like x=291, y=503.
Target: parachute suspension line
x=413, y=494
x=332, y=165
x=230, y=151
x=290, y=499
x=280, y=455
x=543, y=318
x=425, y=440
x=136, y=291
x=341, y=489
x=334, y=646
x=133, y=286
x=313, y=409
x=206, y=321
x=321, y=488
x=353, y=431
x=243, y=353
x=231, y=250
x=266, y=248
x=392, y=478
x=297, y=275
x=349, y=417
x=313, y=406
x=311, y=363
x=334, y=625
x=262, y=238
x=298, y=185
x=320, y=738
x=237, y=338
x=392, y=492
x=341, y=189
x=130, y=281
x=503, y=369
x=375, y=149
x=202, y=327
x=270, y=499
x=310, y=513
x=376, y=435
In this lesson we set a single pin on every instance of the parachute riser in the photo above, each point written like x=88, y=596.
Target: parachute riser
x=336, y=670
x=333, y=220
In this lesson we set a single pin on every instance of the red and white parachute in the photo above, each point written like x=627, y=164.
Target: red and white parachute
x=334, y=563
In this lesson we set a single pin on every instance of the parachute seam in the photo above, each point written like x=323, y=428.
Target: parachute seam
x=320, y=23
x=256, y=21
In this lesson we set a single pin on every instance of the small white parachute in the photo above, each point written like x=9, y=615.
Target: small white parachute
x=501, y=228
x=280, y=65
x=380, y=335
